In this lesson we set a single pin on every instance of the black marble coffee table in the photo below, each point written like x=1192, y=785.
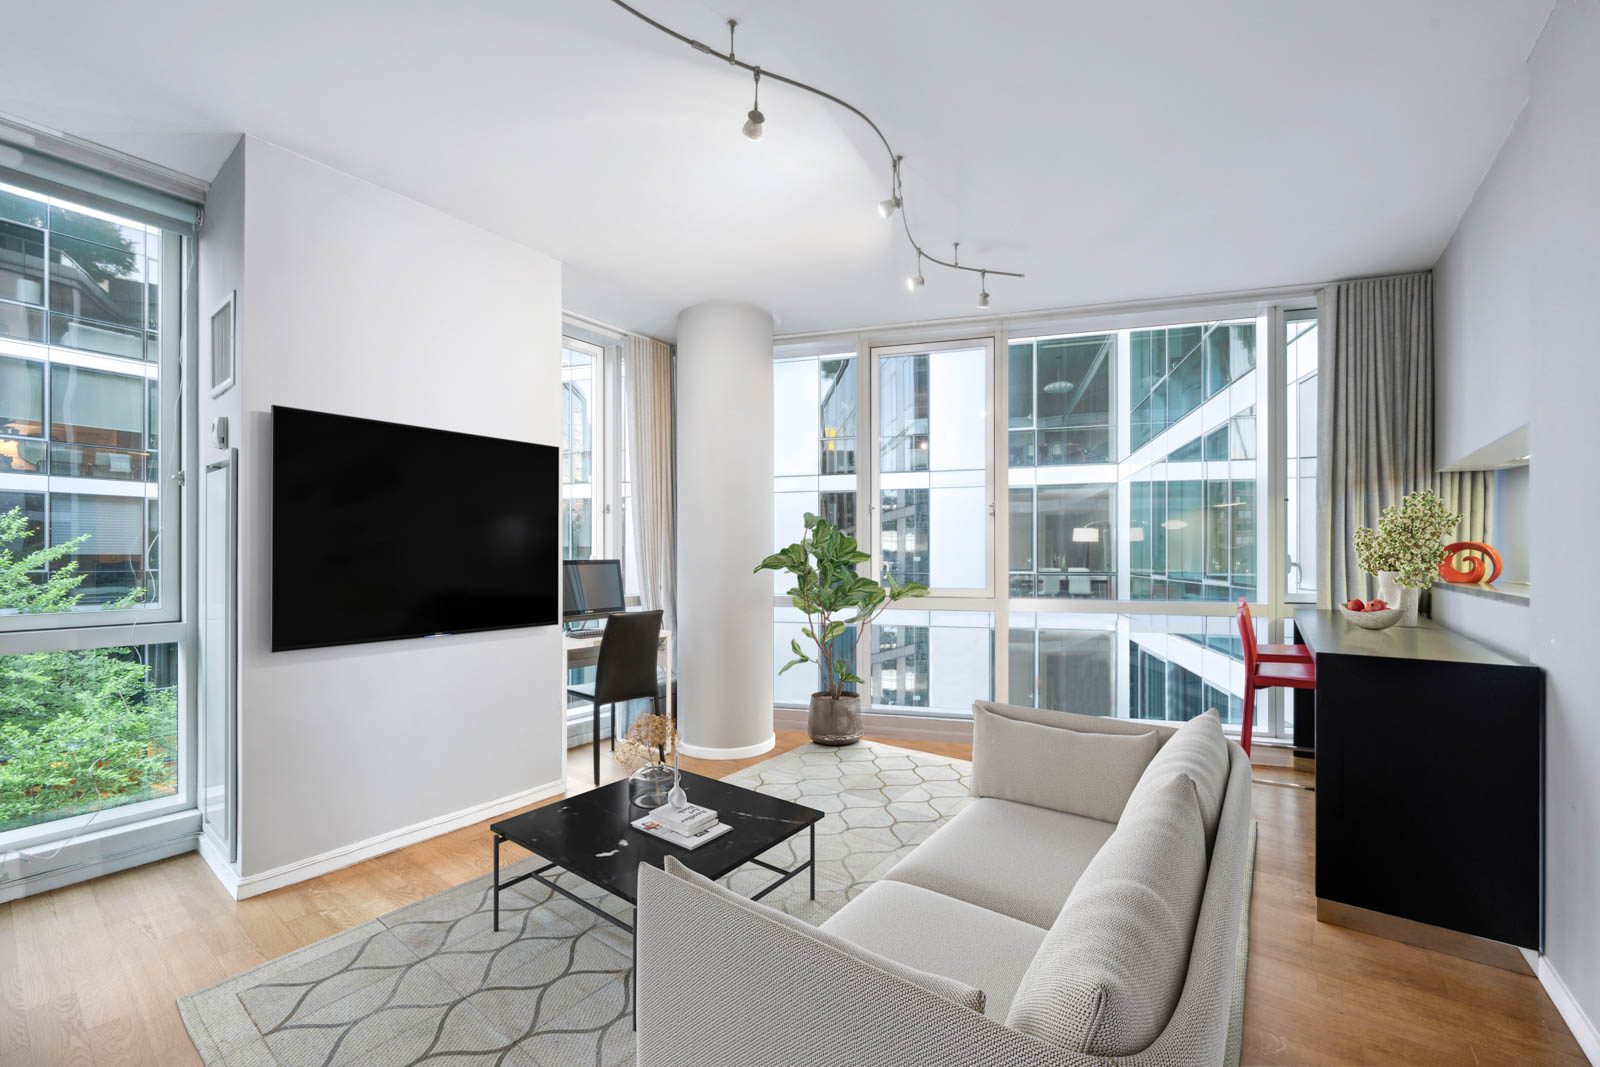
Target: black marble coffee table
x=590, y=835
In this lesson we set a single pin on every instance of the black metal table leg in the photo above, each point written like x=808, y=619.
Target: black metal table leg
x=497, y=840
x=813, y=861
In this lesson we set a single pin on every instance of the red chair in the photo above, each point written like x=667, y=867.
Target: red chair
x=1270, y=653
x=1269, y=667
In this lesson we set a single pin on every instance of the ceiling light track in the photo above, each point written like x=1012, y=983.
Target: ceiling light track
x=754, y=125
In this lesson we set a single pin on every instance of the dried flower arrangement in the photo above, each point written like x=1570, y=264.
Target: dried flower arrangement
x=648, y=740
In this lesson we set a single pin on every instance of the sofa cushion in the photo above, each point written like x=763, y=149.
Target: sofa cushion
x=1111, y=969
x=942, y=935
x=1056, y=767
x=951, y=989
x=1199, y=750
x=1013, y=858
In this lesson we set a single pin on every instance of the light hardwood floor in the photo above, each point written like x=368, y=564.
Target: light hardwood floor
x=89, y=974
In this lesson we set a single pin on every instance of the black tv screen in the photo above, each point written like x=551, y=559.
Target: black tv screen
x=382, y=531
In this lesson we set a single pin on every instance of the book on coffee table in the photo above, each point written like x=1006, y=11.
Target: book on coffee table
x=691, y=841
x=690, y=818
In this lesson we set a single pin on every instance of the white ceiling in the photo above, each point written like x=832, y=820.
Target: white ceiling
x=1113, y=151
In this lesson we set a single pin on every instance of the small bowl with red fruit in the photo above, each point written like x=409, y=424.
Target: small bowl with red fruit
x=1371, y=615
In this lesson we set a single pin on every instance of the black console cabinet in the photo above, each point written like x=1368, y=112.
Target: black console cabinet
x=1430, y=787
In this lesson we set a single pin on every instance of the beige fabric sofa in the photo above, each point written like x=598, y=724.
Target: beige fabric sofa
x=1084, y=908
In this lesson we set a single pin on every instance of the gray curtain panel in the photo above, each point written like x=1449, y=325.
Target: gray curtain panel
x=647, y=418
x=1375, y=423
x=1374, y=414
x=1469, y=494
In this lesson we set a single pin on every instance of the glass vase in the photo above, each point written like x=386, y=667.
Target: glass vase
x=649, y=785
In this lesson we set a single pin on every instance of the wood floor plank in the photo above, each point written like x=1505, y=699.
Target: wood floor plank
x=139, y=939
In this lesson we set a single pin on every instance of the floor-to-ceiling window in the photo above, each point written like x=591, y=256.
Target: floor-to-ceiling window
x=93, y=645
x=582, y=488
x=814, y=471
x=1300, y=438
x=1096, y=566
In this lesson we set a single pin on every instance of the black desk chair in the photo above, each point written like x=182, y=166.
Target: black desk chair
x=626, y=670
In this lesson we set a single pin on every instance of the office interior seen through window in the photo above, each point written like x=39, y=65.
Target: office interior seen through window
x=92, y=724
x=1084, y=553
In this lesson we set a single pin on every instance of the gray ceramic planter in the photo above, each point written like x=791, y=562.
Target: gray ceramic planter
x=835, y=722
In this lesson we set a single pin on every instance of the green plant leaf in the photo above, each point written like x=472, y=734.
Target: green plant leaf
x=778, y=561
x=793, y=663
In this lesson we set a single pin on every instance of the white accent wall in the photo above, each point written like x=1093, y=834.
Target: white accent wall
x=358, y=301
x=724, y=457
x=1514, y=292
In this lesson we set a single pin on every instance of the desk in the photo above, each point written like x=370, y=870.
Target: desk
x=1430, y=794
x=583, y=650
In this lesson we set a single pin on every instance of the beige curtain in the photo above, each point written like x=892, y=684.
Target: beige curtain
x=647, y=425
x=1374, y=414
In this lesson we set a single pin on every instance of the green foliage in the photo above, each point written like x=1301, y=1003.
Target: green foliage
x=827, y=585
x=1409, y=539
x=79, y=730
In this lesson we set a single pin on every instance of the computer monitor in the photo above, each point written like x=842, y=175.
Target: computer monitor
x=592, y=588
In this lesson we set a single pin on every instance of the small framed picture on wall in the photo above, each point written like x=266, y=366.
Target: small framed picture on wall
x=223, y=366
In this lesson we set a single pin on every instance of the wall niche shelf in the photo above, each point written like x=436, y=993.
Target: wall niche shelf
x=1505, y=592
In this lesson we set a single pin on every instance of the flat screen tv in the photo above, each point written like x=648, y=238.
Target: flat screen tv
x=382, y=531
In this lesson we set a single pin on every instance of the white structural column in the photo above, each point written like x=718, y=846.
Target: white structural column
x=724, y=458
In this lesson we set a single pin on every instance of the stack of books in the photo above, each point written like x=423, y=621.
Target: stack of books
x=688, y=828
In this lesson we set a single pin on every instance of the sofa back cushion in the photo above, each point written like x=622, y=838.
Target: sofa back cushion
x=1199, y=750
x=1056, y=767
x=1110, y=971
x=957, y=992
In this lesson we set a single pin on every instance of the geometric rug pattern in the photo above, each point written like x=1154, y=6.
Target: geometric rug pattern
x=432, y=983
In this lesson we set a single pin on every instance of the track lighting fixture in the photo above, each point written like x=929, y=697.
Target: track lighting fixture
x=755, y=120
x=915, y=281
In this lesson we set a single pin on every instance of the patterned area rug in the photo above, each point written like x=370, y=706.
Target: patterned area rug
x=432, y=983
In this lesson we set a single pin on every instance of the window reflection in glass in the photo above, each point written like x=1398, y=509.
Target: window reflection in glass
x=933, y=661
x=903, y=414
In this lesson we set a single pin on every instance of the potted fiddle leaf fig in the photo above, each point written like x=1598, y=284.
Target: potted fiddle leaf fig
x=833, y=596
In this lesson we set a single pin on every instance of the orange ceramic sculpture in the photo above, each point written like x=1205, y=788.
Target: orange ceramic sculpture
x=1451, y=572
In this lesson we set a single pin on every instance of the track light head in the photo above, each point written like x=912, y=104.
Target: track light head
x=887, y=208
x=754, y=121
x=983, y=290
x=914, y=281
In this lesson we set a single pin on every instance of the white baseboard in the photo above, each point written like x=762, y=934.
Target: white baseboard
x=255, y=884
x=702, y=752
x=876, y=724
x=1580, y=1024
x=104, y=852
x=219, y=866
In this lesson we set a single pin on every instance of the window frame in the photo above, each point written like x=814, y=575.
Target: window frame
x=171, y=619
x=171, y=492
x=600, y=495
x=869, y=480
x=1270, y=607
